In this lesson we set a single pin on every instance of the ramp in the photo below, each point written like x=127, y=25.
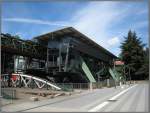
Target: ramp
x=87, y=71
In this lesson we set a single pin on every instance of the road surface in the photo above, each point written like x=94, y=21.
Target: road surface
x=132, y=98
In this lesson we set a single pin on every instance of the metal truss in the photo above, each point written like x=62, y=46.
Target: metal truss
x=27, y=80
x=22, y=47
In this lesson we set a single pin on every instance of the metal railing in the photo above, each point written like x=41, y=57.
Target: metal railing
x=8, y=95
x=64, y=86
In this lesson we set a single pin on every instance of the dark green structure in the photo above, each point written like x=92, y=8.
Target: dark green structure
x=65, y=55
x=74, y=57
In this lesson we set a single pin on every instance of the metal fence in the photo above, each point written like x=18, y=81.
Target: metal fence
x=70, y=86
x=86, y=86
x=8, y=95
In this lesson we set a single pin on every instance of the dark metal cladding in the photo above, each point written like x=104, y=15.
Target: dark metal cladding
x=27, y=48
x=64, y=55
x=86, y=45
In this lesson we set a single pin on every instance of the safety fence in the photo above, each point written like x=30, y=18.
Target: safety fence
x=28, y=81
x=7, y=96
x=63, y=86
x=87, y=86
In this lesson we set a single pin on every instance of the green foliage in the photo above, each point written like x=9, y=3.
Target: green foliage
x=132, y=53
x=144, y=70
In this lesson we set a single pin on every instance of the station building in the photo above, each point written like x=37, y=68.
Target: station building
x=64, y=55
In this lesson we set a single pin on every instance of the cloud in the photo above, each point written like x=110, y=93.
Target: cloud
x=36, y=21
x=100, y=21
x=95, y=20
x=104, y=22
x=113, y=41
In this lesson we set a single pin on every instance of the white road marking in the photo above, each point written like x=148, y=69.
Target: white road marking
x=116, y=96
x=100, y=106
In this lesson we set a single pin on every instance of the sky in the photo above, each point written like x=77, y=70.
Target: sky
x=105, y=22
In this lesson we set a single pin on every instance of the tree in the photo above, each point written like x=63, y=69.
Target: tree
x=132, y=53
x=144, y=70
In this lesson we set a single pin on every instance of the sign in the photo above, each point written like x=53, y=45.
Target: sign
x=119, y=62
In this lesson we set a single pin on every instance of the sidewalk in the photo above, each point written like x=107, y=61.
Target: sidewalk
x=43, y=103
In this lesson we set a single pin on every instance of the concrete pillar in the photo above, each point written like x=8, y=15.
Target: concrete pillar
x=91, y=86
x=121, y=82
x=121, y=85
x=108, y=83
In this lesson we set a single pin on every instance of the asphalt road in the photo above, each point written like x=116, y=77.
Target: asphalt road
x=132, y=98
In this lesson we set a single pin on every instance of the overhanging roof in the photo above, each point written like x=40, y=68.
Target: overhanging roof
x=75, y=33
